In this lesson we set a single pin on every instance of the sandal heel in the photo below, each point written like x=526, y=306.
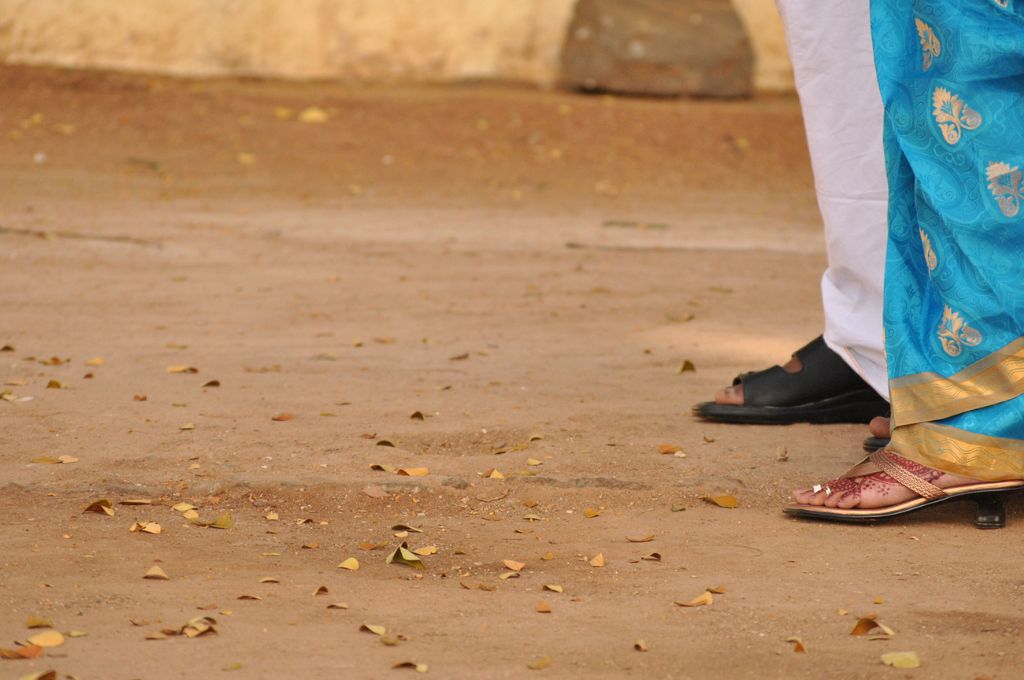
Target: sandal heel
x=991, y=514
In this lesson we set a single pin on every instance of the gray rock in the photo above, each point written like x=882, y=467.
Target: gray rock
x=658, y=47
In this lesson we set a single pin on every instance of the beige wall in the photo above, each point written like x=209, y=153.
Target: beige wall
x=371, y=39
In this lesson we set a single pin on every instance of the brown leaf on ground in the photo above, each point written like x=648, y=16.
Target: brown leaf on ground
x=668, y=449
x=418, y=667
x=513, y=565
x=413, y=472
x=155, y=573
x=101, y=506
x=723, y=501
x=248, y=597
x=282, y=417
x=798, y=644
x=591, y=513
x=322, y=590
x=182, y=369
x=652, y=557
x=27, y=652
x=598, y=560
x=146, y=527
x=223, y=521
x=640, y=538
x=338, y=605
x=373, y=628
x=703, y=600
x=539, y=664
x=553, y=587
x=687, y=367
x=351, y=564
x=38, y=622
x=211, y=383
x=640, y=646
x=542, y=608
x=269, y=579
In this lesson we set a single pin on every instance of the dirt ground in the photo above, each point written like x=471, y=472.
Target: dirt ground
x=526, y=270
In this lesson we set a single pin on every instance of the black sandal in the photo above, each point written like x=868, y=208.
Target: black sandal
x=824, y=390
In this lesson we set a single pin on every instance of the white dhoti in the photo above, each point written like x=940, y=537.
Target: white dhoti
x=830, y=47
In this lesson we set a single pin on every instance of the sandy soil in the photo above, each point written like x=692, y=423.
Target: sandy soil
x=506, y=262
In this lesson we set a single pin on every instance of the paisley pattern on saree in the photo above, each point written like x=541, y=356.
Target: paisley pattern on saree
x=955, y=333
x=929, y=254
x=931, y=48
x=953, y=115
x=1005, y=182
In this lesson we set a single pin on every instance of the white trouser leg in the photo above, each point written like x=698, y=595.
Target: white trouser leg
x=830, y=46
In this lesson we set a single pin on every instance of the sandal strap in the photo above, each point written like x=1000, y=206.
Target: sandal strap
x=921, y=487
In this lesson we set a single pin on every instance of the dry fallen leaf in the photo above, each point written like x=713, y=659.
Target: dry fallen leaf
x=416, y=415
x=542, y=607
x=271, y=516
x=866, y=624
x=553, y=588
x=383, y=467
x=223, y=521
x=201, y=625
x=312, y=545
x=798, y=644
x=598, y=560
x=146, y=527
x=504, y=576
x=668, y=449
x=533, y=462
x=372, y=628
x=135, y=501
x=706, y=599
x=322, y=590
x=548, y=556
x=269, y=579
x=157, y=574
x=640, y=538
x=211, y=383
x=402, y=555
x=102, y=506
x=652, y=557
x=248, y=597
x=282, y=417
x=41, y=675
x=539, y=664
x=189, y=426
x=407, y=527
x=312, y=114
x=95, y=361
x=38, y=622
x=352, y=564
x=27, y=652
x=493, y=474
x=513, y=565
x=590, y=513
x=48, y=638
x=419, y=668
x=640, y=646
x=182, y=369
x=901, y=660
x=723, y=501
x=413, y=472
x=426, y=550
x=182, y=507
x=338, y=605
x=53, y=385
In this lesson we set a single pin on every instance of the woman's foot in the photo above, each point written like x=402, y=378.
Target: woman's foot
x=873, y=489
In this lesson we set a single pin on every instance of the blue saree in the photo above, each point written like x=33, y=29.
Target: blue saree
x=951, y=73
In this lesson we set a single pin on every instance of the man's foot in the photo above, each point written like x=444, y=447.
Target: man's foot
x=733, y=394
x=815, y=386
x=881, y=427
x=874, y=489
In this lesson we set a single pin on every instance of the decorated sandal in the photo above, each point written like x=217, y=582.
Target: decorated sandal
x=988, y=495
x=824, y=390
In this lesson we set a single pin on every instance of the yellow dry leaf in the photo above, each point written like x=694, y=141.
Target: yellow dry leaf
x=901, y=660
x=76, y=634
x=373, y=628
x=102, y=506
x=190, y=515
x=493, y=474
x=426, y=550
x=418, y=667
x=338, y=605
x=590, y=513
x=402, y=555
x=282, y=417
x=640, y=538
x=717, y=590
x=95, y=361
x=223, y=521
x=553, y=588
x=135, y=501
x=413, y=472
x=38, y=622
x=668, y=449
x=352, y=564
x=687, y=365
x=798, y=644
x=248, y=597
x=53, y=385
x=157, y=574
x=542, y=608
x=504, y=576
x=48, y=638
x=534, y=462
x=272, y=516
x=182, y=507
x=548, y=556
x=182, y=369
x=640, y=646
x=146, y=527
x=190, y=426
x=539, y=664
x=703, y=600
x=66, y=460
x=269, y=579
x=878, y=600
x=723, y=501
x=313, y=114
x=598, y=560
x=513, y=565
x=322, y=590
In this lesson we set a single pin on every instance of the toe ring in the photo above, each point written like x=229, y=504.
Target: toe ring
x=816, y=488
x=828, y=491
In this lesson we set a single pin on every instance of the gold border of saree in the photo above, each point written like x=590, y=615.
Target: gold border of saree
x=924, y=397
x=959, y=452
